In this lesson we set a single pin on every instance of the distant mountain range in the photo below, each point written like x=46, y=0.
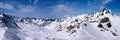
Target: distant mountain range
x=100, y=25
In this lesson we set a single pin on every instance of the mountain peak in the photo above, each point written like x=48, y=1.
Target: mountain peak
x=106, y=11
x=1, y=14
x=99, y=24
x=103, y=12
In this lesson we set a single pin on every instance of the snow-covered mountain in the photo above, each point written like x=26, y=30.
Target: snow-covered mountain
x=100, y=25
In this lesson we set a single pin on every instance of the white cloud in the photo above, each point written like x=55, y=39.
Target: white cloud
x=98, y=3
x=106, y=1
x=6, y=6
x=62, y=8
x=26, y=9
x=20, y=8
x=36, y=1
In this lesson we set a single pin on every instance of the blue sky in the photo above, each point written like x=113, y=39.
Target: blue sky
x=56, y=8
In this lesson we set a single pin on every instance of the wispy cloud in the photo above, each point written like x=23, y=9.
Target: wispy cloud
x=106, y=1
x=35, y=2
x=6, y=6
x=99, y=4
x=26, y=9
x=62, y=8
x=20, y=8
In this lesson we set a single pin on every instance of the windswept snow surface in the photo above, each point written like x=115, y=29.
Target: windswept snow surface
x=100, y=25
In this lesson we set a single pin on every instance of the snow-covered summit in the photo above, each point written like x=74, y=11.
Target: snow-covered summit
x=100, y=25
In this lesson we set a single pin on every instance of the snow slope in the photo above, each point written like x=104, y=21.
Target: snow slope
x=100, y=25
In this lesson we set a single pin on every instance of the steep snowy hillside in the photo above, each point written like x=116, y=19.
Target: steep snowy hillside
x=100, y=25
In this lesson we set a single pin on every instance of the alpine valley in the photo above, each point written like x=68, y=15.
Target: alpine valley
x=99, y=25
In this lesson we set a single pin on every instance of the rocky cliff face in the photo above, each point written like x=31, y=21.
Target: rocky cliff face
x=100, y=25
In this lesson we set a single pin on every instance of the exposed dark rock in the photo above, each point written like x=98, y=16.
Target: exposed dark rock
x=59, y=28
x=21, y=20
x=101, y=30
x=49, y=19
x=100, y=25
x=106, y=19
x=9, y=22
x=85, y=24
x=107, y=29
x=102, y=14
x=76, y=20
x=114, y=34
x=73, y=31
x=70, y=27
x=113, y=14
x=107, y=10
x=59, y=20
x=11, y=35
x=109, y=25
x=77, y=25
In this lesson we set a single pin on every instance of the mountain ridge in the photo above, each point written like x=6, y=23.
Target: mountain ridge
x=99, y=25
